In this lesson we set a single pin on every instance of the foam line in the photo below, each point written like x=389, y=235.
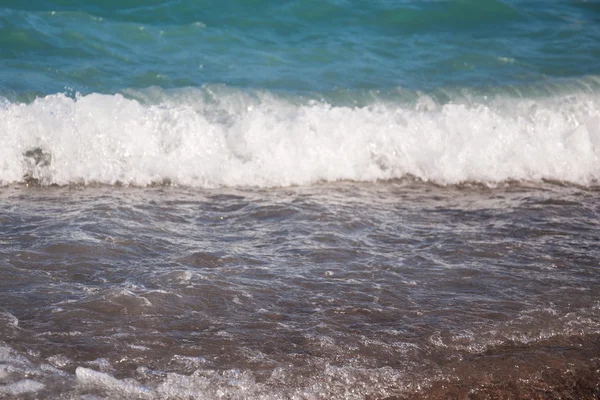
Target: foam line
x=266, y=141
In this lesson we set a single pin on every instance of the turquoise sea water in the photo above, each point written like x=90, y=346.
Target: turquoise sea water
x=55, y=46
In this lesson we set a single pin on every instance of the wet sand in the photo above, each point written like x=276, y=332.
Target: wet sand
x=549, y=369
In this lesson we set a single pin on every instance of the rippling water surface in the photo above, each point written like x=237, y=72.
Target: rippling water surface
x=48, y=46
x=342, y=290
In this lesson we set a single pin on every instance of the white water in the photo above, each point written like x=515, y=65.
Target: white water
x=263, y=140
x=333, y=382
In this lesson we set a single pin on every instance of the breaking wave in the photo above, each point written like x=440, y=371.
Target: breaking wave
x=227, y=137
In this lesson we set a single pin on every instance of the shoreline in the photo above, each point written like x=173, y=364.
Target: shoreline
x=556, y=368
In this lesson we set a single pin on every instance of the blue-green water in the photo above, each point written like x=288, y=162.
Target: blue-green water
x=300, y=46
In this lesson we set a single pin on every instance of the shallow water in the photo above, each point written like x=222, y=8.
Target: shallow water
x=340, y=290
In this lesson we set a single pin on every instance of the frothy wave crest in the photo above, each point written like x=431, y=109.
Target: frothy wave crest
x=241, y=139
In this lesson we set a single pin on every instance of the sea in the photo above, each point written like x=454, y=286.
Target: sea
x=299, y=199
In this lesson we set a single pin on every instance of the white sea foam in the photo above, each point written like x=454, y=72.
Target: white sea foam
x=239, y=139
x=21, y=387
x=124, y=387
